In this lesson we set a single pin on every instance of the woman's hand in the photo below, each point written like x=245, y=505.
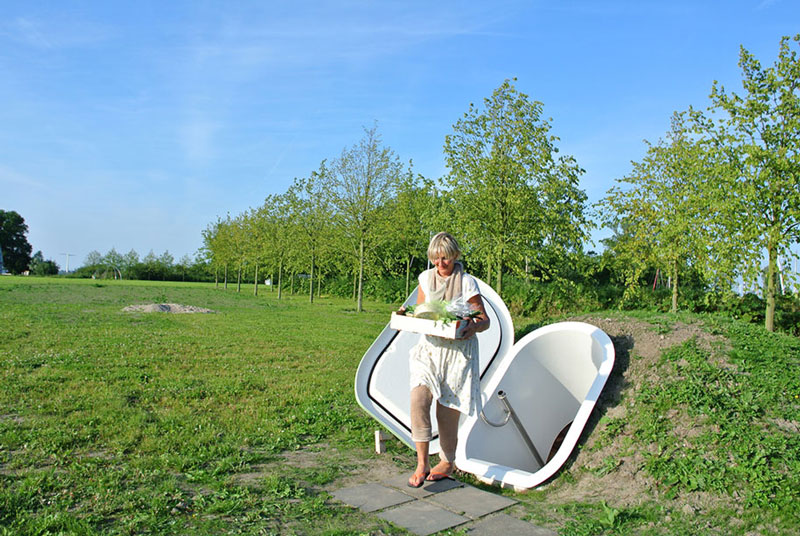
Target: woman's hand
x=478, y=322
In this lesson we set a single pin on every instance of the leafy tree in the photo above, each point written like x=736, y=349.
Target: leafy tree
x=311, y=213
x=165, y=262
x=512, y=195
x=113, y=259
x=362, y=181
x=282, y=233
x=213, y=246
x=40, y=266
x=254, y=240
x=13, y=242
x=660, y=209
x=128, y=264
x=94, y=258
x=408, y=221
x=760, y=205
x=151, y=267
x=184, y=264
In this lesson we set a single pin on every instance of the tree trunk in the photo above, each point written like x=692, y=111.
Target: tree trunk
x=280, y=272
x=255, y=282
x=291, y=284
x=226, y=277
x=772, y=268
x=311, y=281
x=674, y=286
x=216, y=278
x=500, y=262
x=408, y=275
x=360, y=275
x=239, y=279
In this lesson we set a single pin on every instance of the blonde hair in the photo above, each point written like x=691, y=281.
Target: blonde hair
x=443, y=244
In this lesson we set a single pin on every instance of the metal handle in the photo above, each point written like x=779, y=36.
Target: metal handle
x=510, y=414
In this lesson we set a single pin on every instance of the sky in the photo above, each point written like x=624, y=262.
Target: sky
x=134, y=125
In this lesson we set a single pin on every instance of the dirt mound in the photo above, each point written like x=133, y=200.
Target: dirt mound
x=610, y=469
x=165, y=308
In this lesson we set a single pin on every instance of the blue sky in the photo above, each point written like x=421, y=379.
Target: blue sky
x=134, y=124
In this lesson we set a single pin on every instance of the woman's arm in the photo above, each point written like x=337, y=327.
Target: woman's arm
x=480, y=322
x=420, y=299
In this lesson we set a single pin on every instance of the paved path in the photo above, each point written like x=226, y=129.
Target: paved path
x=438, y=506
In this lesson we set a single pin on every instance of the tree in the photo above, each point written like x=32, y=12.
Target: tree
x=113, y=259
x=165, y=262
x=511, y=194
x=94, y=258
x=184, y=264
x=311, y=214
x=282, y=233
x=212, y=247
x=40, y=266
x=661, y=209
x=759, y=132
x=128, y=263
x=408, y=220
x=13, y=242
x=363, y=180
x=151, y=266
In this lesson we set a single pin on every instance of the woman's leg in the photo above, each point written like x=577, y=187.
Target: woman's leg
x=421, y=432
x=447, y=419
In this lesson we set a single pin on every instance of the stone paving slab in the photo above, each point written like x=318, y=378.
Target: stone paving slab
x=371, y=497
x=507, y=526
x=423, y=518
x=400, y=482
x=471, y=502
x=428, y=488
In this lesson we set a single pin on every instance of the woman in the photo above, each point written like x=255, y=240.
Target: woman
x=445, y=370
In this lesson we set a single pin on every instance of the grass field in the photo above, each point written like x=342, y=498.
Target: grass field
x=115, y=422
x=136, y=423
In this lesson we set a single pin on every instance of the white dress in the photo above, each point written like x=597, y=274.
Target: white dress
x=448, y=367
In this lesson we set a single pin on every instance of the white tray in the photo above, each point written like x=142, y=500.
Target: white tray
x=452, y=329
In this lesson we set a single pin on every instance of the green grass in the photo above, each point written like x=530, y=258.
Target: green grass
x=134, y=423
x=114, y=422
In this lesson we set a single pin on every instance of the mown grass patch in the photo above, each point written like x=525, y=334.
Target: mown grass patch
x=114, y=422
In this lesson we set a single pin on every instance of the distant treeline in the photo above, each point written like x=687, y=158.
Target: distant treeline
x=114, y=265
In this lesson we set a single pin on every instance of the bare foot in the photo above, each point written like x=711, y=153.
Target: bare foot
x=441, y=471
x=418, y=478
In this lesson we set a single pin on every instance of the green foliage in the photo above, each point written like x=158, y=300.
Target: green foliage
x=600, y=518
x=660, y=215
x=362, y=182
x=515, y=200
x=14, y=246
x=41, y=267
x=112, y=265
x=757, y=133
